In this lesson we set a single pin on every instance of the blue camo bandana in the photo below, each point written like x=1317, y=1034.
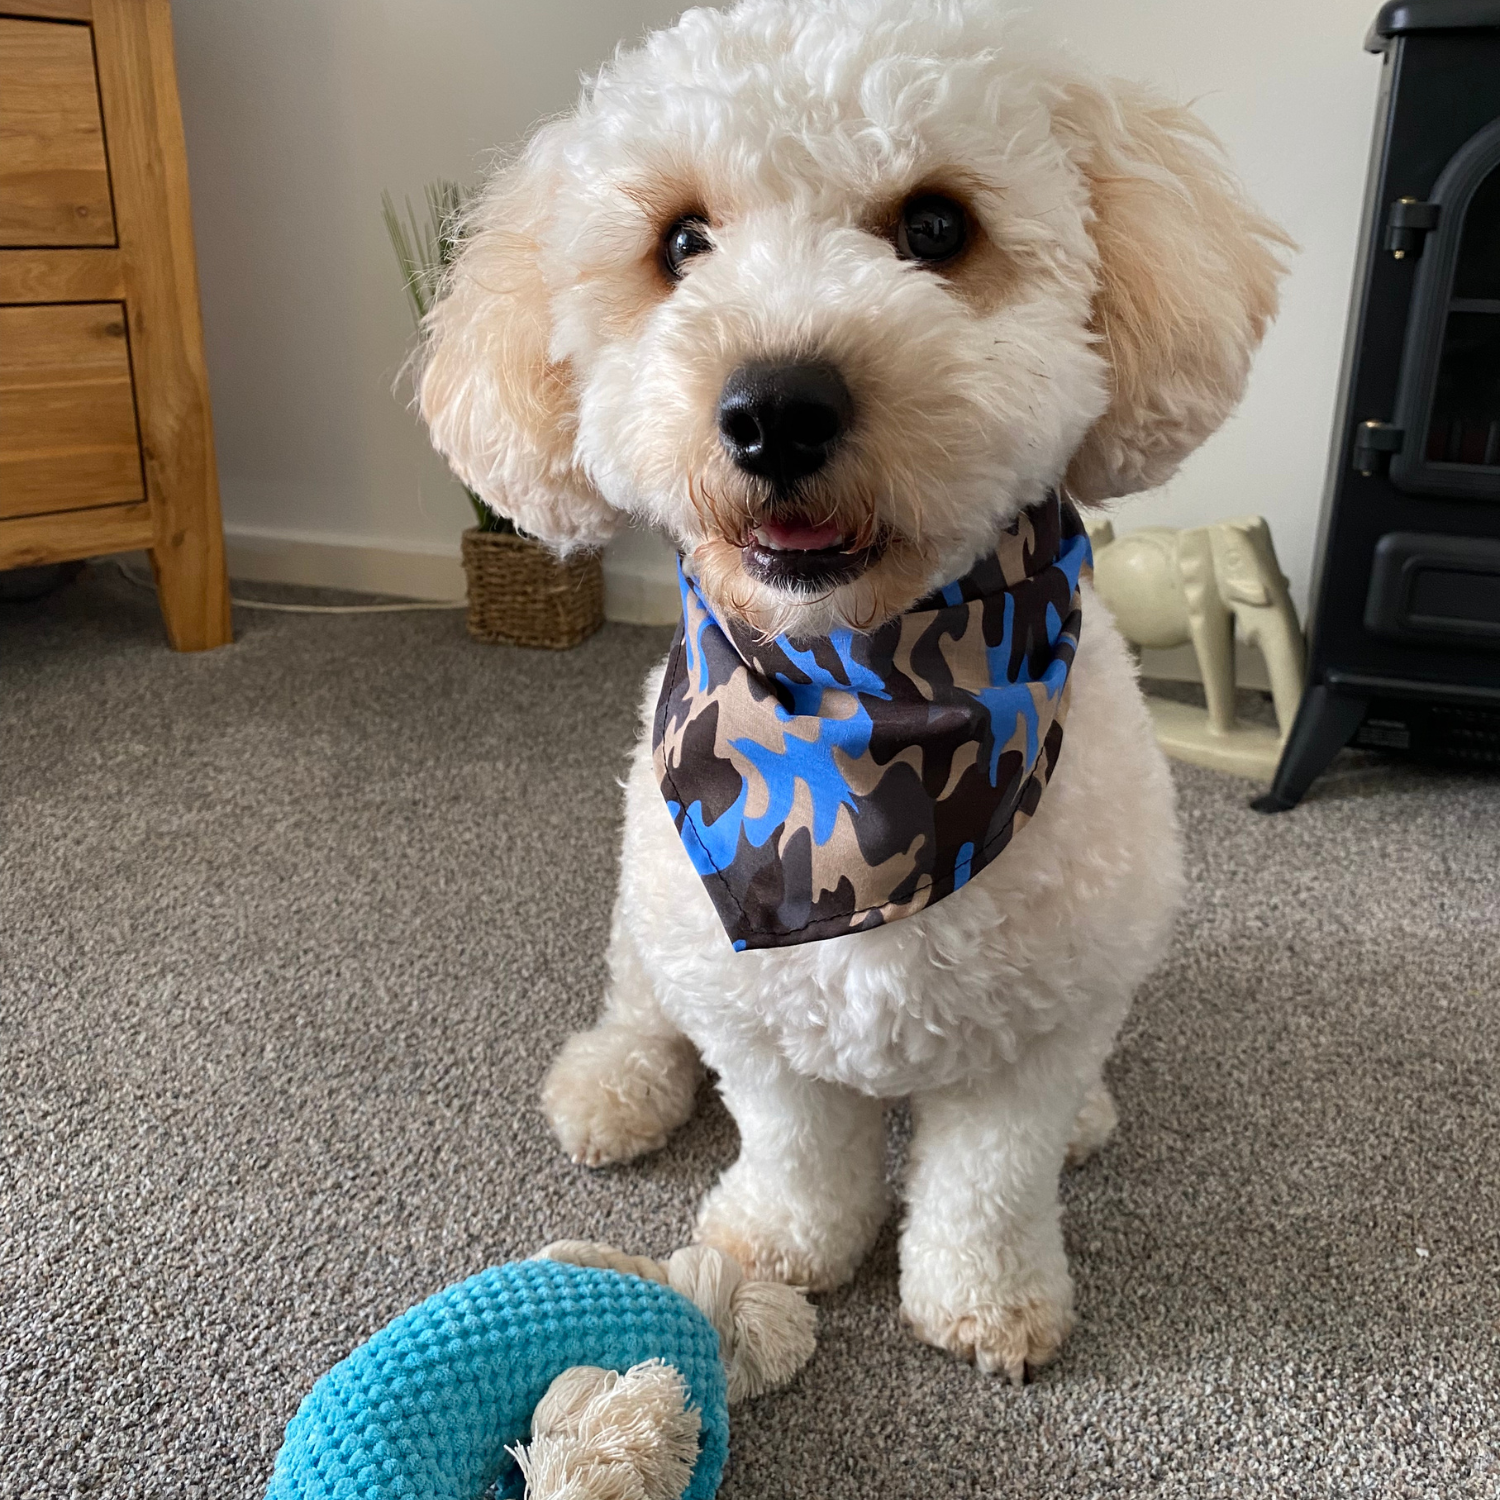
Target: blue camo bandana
x=827, y=786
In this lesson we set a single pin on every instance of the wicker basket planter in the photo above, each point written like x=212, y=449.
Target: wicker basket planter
x=520, y=594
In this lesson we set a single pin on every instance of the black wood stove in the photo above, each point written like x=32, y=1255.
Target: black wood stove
x=1404, y=626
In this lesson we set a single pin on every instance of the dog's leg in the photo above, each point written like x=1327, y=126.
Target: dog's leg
x=807, y=1195
x=621, y=1089
x=983, y=1272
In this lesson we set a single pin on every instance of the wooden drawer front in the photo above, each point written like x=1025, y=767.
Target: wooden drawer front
x=54, y=179
x=67, y=413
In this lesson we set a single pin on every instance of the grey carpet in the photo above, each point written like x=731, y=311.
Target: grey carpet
x=288, y=933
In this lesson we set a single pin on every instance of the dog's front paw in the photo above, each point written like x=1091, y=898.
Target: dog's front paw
x=1010, y=1338
x=816, y=1243
x=614, y=1093
x=1002, y=1323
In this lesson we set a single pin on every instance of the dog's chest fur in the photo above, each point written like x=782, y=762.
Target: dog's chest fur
x=1057, y=932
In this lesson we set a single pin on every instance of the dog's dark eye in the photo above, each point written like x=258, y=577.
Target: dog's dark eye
x=931, y=228
x=684, y=239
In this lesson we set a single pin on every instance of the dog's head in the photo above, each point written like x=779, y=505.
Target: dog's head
x=830, y=289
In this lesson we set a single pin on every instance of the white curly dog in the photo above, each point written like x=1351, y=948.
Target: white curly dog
x=1024, y=277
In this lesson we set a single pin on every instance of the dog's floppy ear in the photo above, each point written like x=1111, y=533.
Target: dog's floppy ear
x=1188, y=275
x=501, y=412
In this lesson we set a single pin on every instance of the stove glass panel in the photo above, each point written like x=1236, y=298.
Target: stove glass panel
x=1465, y=426
x=1478, y=272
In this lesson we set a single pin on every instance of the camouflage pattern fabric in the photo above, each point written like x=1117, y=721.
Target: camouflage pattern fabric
x=825, y=786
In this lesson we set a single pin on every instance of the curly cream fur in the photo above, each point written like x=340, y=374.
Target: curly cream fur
x=1187, y=281
x=500, y=410
x=1098, y=327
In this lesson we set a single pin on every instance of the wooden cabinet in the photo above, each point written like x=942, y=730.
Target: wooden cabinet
x=54, y=176
x=70, y=441
x=105, y=437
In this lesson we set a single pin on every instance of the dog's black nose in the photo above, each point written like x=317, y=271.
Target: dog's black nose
x=780, y=421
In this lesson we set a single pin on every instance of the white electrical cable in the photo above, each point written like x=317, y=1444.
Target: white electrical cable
x=316, y=609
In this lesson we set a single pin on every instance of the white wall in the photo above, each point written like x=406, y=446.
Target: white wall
x=299, y=112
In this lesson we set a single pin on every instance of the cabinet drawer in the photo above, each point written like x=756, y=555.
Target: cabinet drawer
x=67, y=411
x=54, y=178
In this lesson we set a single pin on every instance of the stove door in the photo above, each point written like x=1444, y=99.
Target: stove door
x=1448, y=400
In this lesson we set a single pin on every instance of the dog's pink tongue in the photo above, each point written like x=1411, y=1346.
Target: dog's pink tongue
x=798, y=537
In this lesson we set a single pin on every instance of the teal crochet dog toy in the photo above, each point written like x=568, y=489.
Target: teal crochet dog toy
x=583, y=1374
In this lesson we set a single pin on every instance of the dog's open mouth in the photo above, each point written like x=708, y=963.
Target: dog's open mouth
x=792, y=553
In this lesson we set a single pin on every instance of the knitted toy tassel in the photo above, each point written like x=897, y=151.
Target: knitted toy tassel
x=597, y=1435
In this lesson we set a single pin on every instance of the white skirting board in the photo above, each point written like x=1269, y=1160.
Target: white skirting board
x=640, y=585
x=408, y=570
